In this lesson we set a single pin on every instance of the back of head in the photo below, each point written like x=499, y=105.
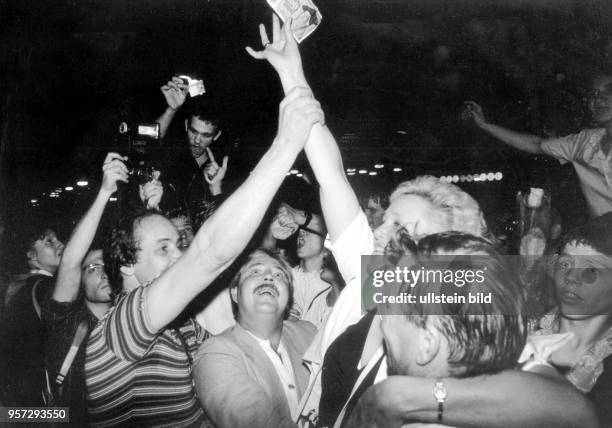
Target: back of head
x=465, y=213
x=483, y=336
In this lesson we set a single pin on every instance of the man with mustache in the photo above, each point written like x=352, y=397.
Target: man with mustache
x=252, y=374
x=588, y=150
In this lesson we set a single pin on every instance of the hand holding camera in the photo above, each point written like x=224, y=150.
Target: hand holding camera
x=175, y=92
x=114, y=170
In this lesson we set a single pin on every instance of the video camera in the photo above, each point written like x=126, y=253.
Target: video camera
x=143, y=141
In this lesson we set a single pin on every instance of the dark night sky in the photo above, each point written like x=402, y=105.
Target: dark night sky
x=72, y=70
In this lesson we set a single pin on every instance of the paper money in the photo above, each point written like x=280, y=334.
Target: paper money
x=304, y=14
x=195, y=87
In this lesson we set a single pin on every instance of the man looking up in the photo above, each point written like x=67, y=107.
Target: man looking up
x=588, y=150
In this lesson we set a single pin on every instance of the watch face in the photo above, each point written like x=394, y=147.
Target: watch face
x=439, y=391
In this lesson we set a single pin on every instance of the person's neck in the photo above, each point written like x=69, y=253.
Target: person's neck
x=588, y=330
x=264, y=328
x=98, y=308
x=312, y=264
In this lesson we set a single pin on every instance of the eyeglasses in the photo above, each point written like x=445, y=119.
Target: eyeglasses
x=309, y=230
x=94, y=268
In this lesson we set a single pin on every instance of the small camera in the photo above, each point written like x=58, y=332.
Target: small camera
x=141, y=142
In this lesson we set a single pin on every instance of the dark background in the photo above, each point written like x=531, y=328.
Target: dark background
x=392, y=76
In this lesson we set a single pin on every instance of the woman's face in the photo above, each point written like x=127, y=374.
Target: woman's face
x=583, y=282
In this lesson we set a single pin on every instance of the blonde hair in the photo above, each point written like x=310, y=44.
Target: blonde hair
x=464, y=212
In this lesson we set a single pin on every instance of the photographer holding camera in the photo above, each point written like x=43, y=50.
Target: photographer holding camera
x=195, y=174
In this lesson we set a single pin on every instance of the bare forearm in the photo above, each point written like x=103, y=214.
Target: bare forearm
x=67, y=285
x=526, y=142
x=503, y=400
x=165, y=120
x=338, y=199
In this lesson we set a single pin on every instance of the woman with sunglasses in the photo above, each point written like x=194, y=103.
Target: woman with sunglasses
x=582, y=320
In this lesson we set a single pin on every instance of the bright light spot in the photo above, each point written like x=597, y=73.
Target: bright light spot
x=350, y=173
x=490, y=176
x=499, y=176
x=82, y=183
x=443, y=179
x=373, y=173
x=483, y=177
x=350, y=170
x=397, y=169
x=294, y=171
x=68, y=188
x=455, y=179
x=363, y=171
x=113, y=199
x=469, y=178
x=299, y=175
x=34, y=201
x=462, y=178
x=379, y=166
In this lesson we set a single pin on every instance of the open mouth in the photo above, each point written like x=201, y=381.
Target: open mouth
x=568, y=296
x=266, y=290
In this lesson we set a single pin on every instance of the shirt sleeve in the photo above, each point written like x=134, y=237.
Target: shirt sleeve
x=565, y=149
x=127, y=329
x=356, y=240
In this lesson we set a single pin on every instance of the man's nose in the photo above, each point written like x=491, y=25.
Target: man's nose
x=573, y=277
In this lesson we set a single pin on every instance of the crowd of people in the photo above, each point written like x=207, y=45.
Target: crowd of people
x=215, y=308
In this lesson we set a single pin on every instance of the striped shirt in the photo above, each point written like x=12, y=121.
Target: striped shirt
x=137, y=376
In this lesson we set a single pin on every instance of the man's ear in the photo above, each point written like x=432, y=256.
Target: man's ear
x=127, y=270
x=32, y=255
x=216, y=137
x=234, y=294
x=186, y=124
x=429, y=344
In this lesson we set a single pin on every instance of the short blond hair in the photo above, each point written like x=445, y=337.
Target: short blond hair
x=464, y=212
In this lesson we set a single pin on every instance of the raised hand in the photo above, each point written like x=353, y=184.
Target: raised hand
x=473, y=111
x=175, y=92
x=282, y=53
x=151, y=192
x=114, y=170
x=213, y=173
x=299, y=111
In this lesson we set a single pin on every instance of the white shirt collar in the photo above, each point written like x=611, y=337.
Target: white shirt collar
x=41, y=272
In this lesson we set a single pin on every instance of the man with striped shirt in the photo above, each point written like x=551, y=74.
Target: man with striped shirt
x=138, y=362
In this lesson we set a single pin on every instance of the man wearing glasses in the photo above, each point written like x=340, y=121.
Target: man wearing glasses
x=197, y=177
x=588, y=150
x=80, y=297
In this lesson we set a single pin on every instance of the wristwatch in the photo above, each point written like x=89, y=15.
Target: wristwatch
x=440, y=393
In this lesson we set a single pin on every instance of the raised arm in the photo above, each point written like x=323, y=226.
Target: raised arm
x=69, y=272
x=226, y=233
x=526, y=142
x=508, y=399
x=338, y=199
x=175, y=93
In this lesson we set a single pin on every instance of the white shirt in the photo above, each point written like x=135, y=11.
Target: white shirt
x=356, y=240
x=282, y=365
x=310, y=296
x=593, y=167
